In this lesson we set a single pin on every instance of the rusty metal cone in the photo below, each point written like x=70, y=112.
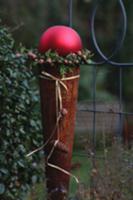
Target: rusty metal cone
x=58, y=182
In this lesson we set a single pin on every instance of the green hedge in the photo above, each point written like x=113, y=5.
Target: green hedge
x=20, y=130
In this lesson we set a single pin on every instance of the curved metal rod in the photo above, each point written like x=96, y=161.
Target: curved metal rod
x=120, y=43
x=70, y=13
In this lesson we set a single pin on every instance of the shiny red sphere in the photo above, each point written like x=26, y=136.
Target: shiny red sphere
x=62, y=39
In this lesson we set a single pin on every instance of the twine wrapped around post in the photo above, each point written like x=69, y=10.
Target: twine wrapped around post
x=58, y=104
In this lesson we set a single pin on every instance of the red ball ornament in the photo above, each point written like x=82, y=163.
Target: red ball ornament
x=62, y=39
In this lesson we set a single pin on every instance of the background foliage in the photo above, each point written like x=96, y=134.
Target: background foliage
x=28, y=19
x=112, y=176
x=19, y=121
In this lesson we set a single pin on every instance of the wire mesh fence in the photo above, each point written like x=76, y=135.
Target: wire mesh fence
x=93, y=115
x=107, y=122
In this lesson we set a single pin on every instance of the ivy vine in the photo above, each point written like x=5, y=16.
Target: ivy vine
x=20, y=127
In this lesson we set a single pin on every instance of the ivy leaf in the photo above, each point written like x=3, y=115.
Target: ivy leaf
x=2, y=188
x=21, y=163
x=4, y=171
x=34, y=179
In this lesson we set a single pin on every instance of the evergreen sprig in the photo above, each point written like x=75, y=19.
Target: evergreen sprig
x=64, y=63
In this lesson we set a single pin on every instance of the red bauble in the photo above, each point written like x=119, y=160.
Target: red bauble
x=62, y=39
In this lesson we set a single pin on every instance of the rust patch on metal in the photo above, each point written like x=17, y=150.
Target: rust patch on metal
x=56, y=180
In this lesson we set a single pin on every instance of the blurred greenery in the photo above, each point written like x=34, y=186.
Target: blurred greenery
x=28, y=19
x=112, y=174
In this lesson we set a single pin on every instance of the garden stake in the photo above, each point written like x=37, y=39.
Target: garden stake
x=58, y=104
x=59, y=59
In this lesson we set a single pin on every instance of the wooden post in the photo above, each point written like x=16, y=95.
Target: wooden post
x=57, y=181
